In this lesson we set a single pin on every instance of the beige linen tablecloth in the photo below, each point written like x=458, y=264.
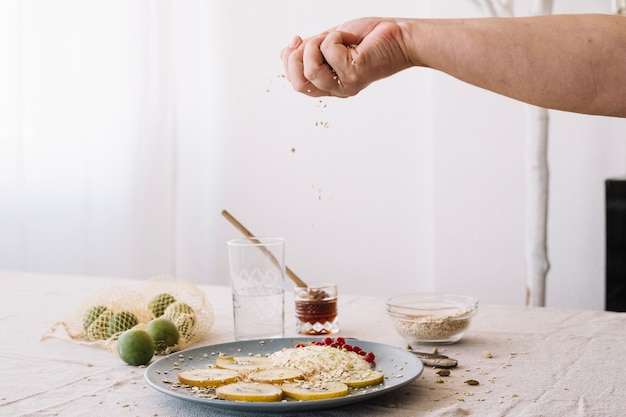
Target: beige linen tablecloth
x=545, y=361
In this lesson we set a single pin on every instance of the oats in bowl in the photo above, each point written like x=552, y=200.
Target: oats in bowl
x=431, y=317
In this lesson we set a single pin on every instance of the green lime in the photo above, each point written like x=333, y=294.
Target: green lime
x=135, y=347
x=183, y=317
x=159, y=303
x=164, y=333
x=178, y=308
x=122, y=321
x=99, y=328
x=92, y=314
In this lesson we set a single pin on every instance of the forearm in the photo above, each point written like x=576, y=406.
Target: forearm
x=572, y=63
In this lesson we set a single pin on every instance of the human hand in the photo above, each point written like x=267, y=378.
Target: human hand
x=347, y=58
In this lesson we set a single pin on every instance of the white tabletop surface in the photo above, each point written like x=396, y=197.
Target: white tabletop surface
x=545, y=361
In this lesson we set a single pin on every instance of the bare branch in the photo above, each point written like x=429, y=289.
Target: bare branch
x=506, y=7
x=541, y=7
x=496, y=8
x=487, y=7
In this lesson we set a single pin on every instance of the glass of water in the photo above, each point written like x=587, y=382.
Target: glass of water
x=257, y=272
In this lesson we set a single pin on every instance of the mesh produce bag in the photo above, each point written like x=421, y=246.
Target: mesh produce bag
x=103, y=317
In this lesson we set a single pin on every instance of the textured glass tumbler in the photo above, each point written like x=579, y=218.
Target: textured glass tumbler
x=257, y=271
x=316, y=309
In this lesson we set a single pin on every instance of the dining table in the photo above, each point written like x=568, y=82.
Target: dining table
x=513, y=360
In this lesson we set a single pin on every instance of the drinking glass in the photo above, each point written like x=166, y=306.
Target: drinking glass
x=257, y=271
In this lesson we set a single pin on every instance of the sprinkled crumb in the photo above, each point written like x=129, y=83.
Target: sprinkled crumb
x=322, y=362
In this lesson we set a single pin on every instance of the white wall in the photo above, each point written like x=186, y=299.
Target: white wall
x=416, y=184
x=479, y=190
x=347, y=182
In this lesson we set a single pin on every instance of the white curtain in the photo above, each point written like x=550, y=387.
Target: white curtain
x=89, y=140
x=127, y=126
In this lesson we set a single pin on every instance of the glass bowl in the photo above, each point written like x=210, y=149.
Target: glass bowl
x=431, y=318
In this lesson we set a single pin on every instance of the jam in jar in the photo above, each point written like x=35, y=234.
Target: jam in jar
x=316, y=309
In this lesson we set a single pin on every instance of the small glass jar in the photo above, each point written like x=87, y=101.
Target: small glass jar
x=316, y=309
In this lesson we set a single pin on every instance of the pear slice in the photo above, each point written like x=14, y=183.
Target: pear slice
x=314, y=391
x=277, y=375
x=249, y=391
x=208, y=377
x=240, y=363
x=363, y=378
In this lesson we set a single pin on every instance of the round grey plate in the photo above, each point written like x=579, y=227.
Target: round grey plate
x=400, y=368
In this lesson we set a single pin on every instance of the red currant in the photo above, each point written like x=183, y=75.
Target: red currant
x=340, y=343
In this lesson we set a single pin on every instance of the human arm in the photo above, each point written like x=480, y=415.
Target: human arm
x=568, y=62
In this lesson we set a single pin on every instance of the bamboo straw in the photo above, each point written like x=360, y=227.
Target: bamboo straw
x=250, y=236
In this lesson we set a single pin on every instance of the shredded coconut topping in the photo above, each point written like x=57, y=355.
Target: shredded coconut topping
x=321, y=363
